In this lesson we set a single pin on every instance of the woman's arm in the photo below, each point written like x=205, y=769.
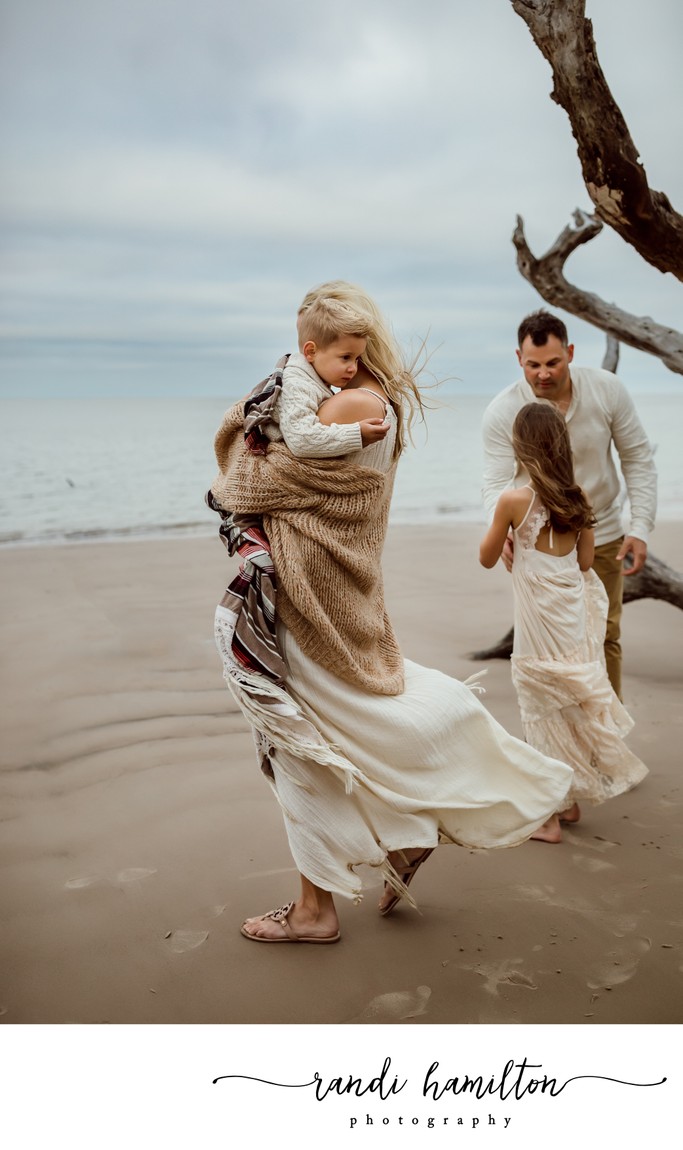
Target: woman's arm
x=491, y=546
x=585, y=548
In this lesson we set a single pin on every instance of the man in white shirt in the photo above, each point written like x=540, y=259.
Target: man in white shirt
x=600, y=415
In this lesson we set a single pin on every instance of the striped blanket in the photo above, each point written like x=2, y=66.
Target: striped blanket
x=259, y=407
x=251, y=596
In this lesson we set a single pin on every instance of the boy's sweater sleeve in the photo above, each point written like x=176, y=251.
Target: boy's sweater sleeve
x=305, y=436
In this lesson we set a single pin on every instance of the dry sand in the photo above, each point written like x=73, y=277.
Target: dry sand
x=137, y=832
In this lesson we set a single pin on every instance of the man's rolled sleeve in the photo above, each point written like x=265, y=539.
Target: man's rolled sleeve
x=499, y=457
x=637, y=465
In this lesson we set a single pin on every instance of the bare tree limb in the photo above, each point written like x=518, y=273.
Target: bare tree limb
x=656, y=580
x=612, y=170
x=500, y=650
x=547, y=276
x=610, y=360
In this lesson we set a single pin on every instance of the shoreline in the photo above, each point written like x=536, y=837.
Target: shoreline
x=434, y=521
x=138, y=832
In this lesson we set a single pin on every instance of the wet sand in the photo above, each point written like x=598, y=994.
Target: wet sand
x=137, y=831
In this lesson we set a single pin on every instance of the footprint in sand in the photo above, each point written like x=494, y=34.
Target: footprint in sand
x=547, y=895
x=268, y=873
x=130, y=874
x=535, y=893
x=623, y=924
x=619, y=964
x=597, y=843
x=591, y=865
x=180, y=941
x=504, y=974
x=396, y=1006
x=82, y=883
x=134, y=873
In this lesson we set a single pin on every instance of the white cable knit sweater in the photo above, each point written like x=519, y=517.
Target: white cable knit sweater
x=295, y=416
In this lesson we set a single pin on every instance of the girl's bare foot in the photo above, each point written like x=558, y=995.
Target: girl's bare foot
x=550, y=832
x=571, y=815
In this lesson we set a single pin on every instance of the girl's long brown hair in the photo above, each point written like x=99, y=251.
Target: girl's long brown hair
x=541, y=444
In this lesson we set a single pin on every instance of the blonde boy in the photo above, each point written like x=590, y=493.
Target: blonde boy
x=332, y=337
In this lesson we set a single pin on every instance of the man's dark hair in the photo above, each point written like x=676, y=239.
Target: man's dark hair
x=539, y=325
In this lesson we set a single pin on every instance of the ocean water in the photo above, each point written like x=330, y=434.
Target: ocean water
x=77, y=470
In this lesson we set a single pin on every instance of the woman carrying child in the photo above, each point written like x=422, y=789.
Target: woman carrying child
x=373, y=759
x=567, y=705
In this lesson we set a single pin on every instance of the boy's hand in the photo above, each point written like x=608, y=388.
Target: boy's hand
x=372, y=430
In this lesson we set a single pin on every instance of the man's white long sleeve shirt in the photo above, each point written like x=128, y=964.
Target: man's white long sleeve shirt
x=601, y=415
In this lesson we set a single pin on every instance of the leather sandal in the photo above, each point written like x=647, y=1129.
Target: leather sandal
x=406, y=874
x=290, y=935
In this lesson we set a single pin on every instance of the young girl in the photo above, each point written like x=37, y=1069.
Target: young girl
x=567, y=705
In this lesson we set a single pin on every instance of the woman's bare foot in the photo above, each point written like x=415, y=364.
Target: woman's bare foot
x=571, y=815
x=550, y=832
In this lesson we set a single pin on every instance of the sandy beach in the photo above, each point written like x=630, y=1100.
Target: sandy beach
x=138, y=833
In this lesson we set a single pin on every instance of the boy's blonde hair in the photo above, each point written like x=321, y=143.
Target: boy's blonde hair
x=382, y=356
x=327, y=320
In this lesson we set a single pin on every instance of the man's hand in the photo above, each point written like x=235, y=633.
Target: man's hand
x=372, y=430
x=638, y=552
x=508, y=553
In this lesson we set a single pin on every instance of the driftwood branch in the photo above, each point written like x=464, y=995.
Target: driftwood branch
x=547, y=276
x=656, y=580
x=612, y=169
x=500, y=650
x=610, y=360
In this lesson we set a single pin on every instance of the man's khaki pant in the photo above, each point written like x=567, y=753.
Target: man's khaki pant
x=610, y=571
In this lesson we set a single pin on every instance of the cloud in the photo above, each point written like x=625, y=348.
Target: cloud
x=180, y=172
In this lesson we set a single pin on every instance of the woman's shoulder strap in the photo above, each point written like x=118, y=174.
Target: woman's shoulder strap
x=381, y=399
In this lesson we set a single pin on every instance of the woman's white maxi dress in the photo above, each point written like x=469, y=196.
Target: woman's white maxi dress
x=359, y=774
x=567, y=705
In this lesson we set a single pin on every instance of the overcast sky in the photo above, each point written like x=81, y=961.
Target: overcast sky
x=179, y=172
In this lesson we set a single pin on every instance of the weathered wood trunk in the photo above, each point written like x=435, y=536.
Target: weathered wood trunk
x=613, y=172
x=546, y=274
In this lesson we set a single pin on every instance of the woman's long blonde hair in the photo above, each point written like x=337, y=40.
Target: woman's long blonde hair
x=382, y=357
x=541, y=444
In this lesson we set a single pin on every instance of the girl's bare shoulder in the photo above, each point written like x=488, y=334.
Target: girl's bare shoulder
x=514, y=498
x=514, y=503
